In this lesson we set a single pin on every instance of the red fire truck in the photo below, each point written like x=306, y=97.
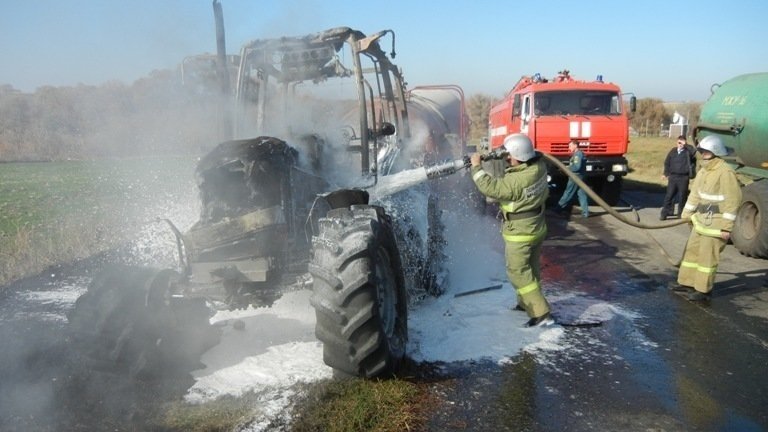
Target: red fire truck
x=554, y=112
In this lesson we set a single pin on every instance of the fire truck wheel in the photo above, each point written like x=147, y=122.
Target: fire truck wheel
x=750, y=232
x=359, y=292
x=127, y=322
x=610, y=192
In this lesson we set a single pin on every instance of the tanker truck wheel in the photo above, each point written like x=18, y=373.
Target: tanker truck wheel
x=359, y=292
x=128, y=322
x=750, y=232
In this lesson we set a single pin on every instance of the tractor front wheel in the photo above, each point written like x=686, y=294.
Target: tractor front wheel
x=128, y=320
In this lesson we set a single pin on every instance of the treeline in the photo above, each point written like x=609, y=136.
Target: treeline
x=654, y=116
x=159, y=115
x=155, y=115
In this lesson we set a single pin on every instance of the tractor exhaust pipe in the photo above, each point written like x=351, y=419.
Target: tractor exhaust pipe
x=222, y=74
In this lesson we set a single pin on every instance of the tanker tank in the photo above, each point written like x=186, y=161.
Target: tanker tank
x=437, y=112
x=737, y=112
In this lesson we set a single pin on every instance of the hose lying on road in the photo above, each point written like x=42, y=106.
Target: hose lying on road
x=604, y=205
x=616, y=214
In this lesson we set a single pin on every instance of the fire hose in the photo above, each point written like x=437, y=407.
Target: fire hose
x=405, y=179
x=599, y=201
x=667, y=224
x=579, y=182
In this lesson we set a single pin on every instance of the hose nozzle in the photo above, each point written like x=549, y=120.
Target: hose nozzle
x=494, y=155
x=447, y=168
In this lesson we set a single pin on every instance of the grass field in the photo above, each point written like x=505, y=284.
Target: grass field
x=646, y=160
x=58, y=212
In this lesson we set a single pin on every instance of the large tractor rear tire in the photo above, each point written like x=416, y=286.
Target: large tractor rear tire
x=127, y=321
x=750, y=232
x=359, y=292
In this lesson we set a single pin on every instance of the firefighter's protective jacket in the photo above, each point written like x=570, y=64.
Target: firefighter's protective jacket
x=714, y=199
x=521, y=192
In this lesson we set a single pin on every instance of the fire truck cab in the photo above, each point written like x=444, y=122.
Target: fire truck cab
x=554, y=112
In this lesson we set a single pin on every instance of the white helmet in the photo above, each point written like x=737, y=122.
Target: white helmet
x=519, y=147
x=713, y=144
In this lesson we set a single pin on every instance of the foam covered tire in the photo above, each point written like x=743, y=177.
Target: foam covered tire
x=750, y=232
x=126, y=321
x=359, y=292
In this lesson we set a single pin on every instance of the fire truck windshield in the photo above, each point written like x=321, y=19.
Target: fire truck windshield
x=581, y=102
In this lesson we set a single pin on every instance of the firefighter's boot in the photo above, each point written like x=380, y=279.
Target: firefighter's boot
x=540, y=321
x=699, y=297
x=676, y=287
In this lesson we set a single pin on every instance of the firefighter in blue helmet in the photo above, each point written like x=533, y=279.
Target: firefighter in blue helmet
x=712, y=205
x=521, y=193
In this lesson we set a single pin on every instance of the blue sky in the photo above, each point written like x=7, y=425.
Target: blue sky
x=673, y=50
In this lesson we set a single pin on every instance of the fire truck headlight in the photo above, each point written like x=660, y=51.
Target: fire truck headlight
x=589, y=167
x=619, y=168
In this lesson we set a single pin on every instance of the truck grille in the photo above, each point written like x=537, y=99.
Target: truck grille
x=562, y=148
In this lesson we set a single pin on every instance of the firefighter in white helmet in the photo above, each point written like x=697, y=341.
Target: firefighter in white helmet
x=521, y=193
x=712, y=205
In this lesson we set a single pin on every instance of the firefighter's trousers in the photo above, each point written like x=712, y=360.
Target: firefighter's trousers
x=524, y=272
x=699, y=265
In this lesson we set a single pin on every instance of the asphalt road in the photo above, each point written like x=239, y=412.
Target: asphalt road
x=667, y=365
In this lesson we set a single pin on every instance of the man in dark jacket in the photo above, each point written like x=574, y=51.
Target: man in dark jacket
x=679, y=168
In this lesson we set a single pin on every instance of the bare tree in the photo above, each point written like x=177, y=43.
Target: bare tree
x=650, y=116
x=478, y=107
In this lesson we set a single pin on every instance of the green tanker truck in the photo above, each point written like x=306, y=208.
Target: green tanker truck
x=737, y=112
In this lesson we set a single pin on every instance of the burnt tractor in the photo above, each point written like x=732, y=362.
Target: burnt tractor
x=330, y=193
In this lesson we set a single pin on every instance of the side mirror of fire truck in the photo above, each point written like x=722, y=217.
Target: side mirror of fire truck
x=632, y=104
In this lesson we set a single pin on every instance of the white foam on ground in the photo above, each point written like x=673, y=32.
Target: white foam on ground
x=274, y=352
x=61, y=295
x=475, y=326
x=281, y=366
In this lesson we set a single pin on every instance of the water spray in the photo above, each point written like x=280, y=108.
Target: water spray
x=393, y=183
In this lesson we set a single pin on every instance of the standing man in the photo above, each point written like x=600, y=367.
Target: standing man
x=712, y=206
x=679, y=168
x=521, y=193
x=578, y=167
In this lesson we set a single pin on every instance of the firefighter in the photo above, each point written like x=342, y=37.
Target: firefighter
x=712, y=205
x=521, y=194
